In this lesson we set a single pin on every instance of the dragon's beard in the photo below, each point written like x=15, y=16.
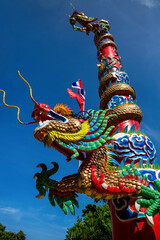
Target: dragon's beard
x=67, y=136
x=71, y=131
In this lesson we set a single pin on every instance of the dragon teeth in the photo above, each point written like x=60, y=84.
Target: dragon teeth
x=40, y=123
x=104, y=185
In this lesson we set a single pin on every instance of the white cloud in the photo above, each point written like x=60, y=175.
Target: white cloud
x=149, y=3
x=50, y=216
x=9, y=210
x=13, y=213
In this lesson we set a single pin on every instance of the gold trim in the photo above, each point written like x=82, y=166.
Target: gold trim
x=101, y=37
x=118, y=89
x=105, y=44
x=105, y=80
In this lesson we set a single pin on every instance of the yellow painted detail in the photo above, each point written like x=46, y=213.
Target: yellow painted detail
x=70, y=137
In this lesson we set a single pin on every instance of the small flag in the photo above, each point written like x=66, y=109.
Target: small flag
x=81, y=97
x=80, y=88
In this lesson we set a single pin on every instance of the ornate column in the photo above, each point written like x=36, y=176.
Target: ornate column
x=114, y=87
x=116, y=93
x=131, y=146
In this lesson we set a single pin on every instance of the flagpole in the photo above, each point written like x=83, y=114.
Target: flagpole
x=80, y=162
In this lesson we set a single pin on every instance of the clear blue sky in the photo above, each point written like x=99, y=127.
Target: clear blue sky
x=37, y=39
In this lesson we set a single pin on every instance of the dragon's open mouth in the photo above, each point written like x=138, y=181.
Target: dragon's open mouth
x=48, y=120
x=43, y=124
x=57, y=123
x=44, y=117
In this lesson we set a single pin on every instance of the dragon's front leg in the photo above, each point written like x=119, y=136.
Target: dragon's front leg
x=150, y=200
x=129, y=181
x=62, y=192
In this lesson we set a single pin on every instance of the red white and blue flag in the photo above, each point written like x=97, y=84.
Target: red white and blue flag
x=80, y=88
x=81, y=93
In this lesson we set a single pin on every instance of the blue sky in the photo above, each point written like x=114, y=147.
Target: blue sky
x=36, y=39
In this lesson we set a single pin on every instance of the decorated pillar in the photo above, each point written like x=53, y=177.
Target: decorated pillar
x=130, y=146
x=114, y=87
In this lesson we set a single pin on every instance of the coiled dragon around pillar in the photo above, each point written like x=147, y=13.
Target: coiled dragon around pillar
x=117, y=157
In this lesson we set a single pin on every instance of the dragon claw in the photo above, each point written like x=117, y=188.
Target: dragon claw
x=150, y=201
x=40, y=196
x=65, y=202
x=137, y=207
x=39, y=165
x=150, y=220
x=35, y=176
x=53, y=163
x=43, y=182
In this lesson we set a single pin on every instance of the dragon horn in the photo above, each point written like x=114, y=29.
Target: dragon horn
x=13, y=106
x=67, y=15
x=72, y=6
x=28, y=86
x=29, y=89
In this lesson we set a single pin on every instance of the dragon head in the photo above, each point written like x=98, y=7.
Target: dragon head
x=72, y=134
x=57, y=122
x=79, y=17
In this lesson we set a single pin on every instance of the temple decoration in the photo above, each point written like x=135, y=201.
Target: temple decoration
x=117, y=156
x=132, y=148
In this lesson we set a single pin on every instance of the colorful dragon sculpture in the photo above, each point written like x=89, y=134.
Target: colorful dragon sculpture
x=89, y=138
x=117, y=157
